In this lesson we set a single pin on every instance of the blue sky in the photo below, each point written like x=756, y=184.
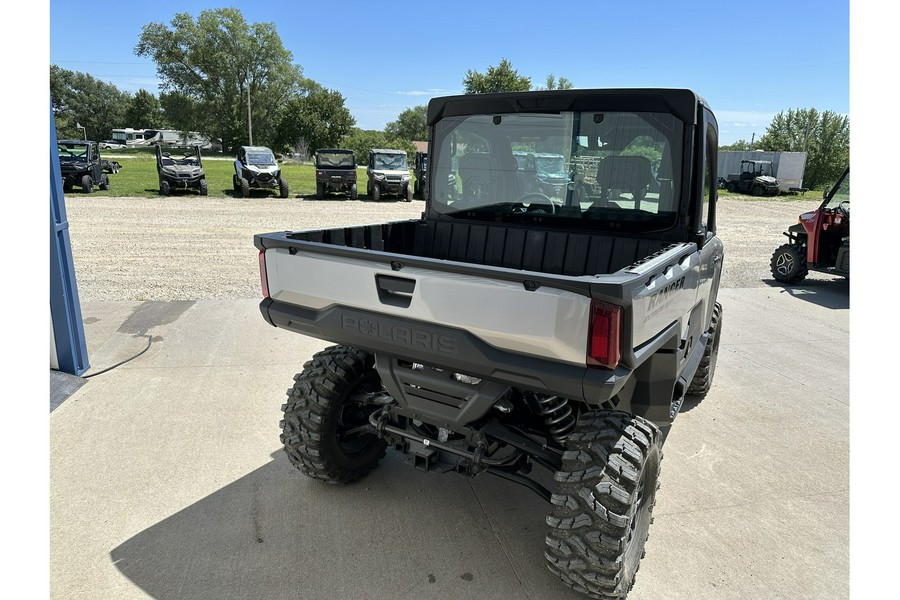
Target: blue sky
x=384, y=61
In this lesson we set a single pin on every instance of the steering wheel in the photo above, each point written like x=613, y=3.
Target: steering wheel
x=538, y=207
x=844, y=207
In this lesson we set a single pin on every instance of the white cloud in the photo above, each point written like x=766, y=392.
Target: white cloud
x=744, y=125
x=744, y=118
x=431, y=92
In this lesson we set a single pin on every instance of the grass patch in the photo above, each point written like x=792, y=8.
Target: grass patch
x=793, y=197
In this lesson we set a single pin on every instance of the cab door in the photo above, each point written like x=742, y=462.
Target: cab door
x=96, y=163
x=711, y=247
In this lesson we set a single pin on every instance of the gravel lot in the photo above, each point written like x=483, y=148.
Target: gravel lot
x=193, y=248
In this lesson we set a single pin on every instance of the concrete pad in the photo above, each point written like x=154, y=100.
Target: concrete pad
x=167, y=480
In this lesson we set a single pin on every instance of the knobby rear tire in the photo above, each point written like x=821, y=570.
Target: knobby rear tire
x=322, y=405
x=603, y=502
x=702, y=381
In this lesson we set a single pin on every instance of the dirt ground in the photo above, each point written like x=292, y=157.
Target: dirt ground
x=194, y=248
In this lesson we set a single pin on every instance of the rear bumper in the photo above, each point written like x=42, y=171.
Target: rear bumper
x=446, y=348
x=337, y=182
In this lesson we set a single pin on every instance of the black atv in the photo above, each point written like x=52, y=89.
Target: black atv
x=184, y=173
x=335, y=172
x=80, y=165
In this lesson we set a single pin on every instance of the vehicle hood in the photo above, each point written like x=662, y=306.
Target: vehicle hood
x=554, y=177
x=182, y=169
x=767, y=180
x=263, y=168
x=390, y=172
x=71, y=166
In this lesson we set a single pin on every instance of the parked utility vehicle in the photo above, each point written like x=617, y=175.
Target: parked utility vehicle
x=180, y=173
x=506, y=330
x=335, y=172
x=542, y=172
x=756, y=178
x=388, y=174
x=80, y=165
x=256, y=168
x=820, y=241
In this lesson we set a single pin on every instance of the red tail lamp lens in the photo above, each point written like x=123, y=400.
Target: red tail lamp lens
x=604, y=340
x=263, y=276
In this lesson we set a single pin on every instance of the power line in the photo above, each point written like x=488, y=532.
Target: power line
x=100, y=62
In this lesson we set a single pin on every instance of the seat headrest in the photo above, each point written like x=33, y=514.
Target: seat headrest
x=623, y=172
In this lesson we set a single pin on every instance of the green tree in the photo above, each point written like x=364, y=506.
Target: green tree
x=553, y=83
x=80, y=99
x=411, y=125
x=317, y=120
x=224, y=64
x=825, y=137
x=738, y=146
x=180, y=111
x=502, y=78
x=144, y=111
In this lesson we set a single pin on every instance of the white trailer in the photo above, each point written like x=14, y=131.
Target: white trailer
x=166, y=137
x=787, y=167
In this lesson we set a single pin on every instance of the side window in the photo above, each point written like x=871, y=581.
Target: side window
x=711, y=190
x=704, y=189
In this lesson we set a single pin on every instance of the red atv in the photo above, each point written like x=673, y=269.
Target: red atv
x=820, y=241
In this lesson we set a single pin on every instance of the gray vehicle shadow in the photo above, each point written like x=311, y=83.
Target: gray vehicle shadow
x=399, y=533
x=827, y=293
x=328, y=198
x=258, y=193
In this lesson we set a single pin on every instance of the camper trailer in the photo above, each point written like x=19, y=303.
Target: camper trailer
x=167, y=137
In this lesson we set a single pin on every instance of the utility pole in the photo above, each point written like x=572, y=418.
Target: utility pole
x=249, y=118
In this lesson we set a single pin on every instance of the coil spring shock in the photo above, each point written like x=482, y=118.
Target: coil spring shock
x=557, y=415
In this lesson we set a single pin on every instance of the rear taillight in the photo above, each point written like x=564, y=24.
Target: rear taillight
x=263, y=276
x=604, y=335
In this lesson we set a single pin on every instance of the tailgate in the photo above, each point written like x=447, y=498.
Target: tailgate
x=537, y=321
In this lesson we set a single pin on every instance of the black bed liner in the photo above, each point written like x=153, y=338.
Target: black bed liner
x=553, y=252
